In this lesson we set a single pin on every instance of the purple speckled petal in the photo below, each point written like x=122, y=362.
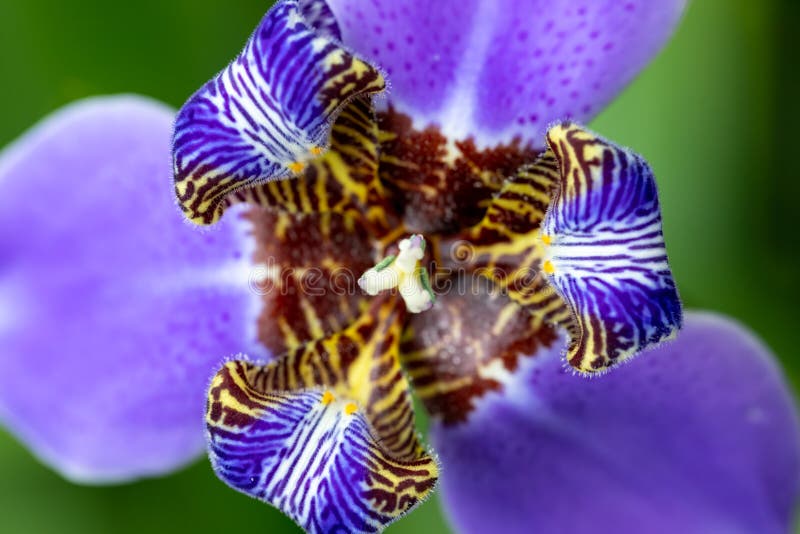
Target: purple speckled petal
x=698, y=436
x=114, y=313
x=497, y=69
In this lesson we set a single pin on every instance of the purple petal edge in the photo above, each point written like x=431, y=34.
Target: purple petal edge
x=114, y=313
x=698, y=435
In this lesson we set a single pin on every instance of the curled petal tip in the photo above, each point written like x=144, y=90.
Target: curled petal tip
x=269, y=112
x=586, y=216
x=606, y=256
x=311, y=454
x=326, y=432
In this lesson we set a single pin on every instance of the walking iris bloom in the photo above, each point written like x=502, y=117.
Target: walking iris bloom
x=491, y=237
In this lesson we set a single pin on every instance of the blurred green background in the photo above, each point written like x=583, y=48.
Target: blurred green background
x=715, y=115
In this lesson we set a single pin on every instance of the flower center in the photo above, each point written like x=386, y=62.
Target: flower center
x=441, y=185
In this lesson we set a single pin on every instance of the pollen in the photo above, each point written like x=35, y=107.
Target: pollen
x=297, y=167
x=350, y=408
x=316, y=150
x=327, y=398
x=404, y=272
x=547, y=240
x=548, y=267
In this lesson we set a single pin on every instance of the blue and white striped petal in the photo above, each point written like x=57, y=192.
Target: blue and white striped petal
x=326, y=432
x=270, y=111
x=319, y=16
x=604, y=250
x=313, y=456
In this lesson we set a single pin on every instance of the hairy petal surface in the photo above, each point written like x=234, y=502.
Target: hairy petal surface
x=499, y=69
x=344, y=180
x=698, y=436
x=326, y=433
x=604, y=250
x=314, y=235
x=576, y=239
x=113, y=312
x=269, y=112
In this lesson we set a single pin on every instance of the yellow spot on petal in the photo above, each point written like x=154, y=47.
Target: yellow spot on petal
x=548, y=267
x=350, y=408
x=327, y=398
x=296, y=167
x=546, y=239
x=316, y=150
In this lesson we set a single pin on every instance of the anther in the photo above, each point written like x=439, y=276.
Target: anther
x=405, y=273
x=297, y=167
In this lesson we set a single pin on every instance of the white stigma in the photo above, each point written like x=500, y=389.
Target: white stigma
x=404, y=273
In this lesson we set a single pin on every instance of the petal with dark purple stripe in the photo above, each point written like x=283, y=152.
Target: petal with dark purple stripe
x=325, y=433
x=343, y=180
x=269, y=112
x=575, y=238
x=604, y=250
x=319, y=16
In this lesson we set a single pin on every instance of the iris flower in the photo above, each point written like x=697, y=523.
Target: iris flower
x=400, y=195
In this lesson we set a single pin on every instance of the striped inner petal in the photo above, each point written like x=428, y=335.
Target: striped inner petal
x=575, y=238
x=506, y=245
x=325, y=433
x=269, y=112
x=604, y=250
x=305, y=276
x=343, y=180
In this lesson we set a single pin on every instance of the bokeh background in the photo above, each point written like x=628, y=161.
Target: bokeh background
x=715, y=114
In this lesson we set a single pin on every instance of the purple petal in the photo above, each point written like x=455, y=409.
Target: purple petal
x=313, y=456
x=700, y=435
x=269, y=112
x=326, y=432
x=498, y=69
x=114, y=313
x=319, y=16
x=604, y=250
